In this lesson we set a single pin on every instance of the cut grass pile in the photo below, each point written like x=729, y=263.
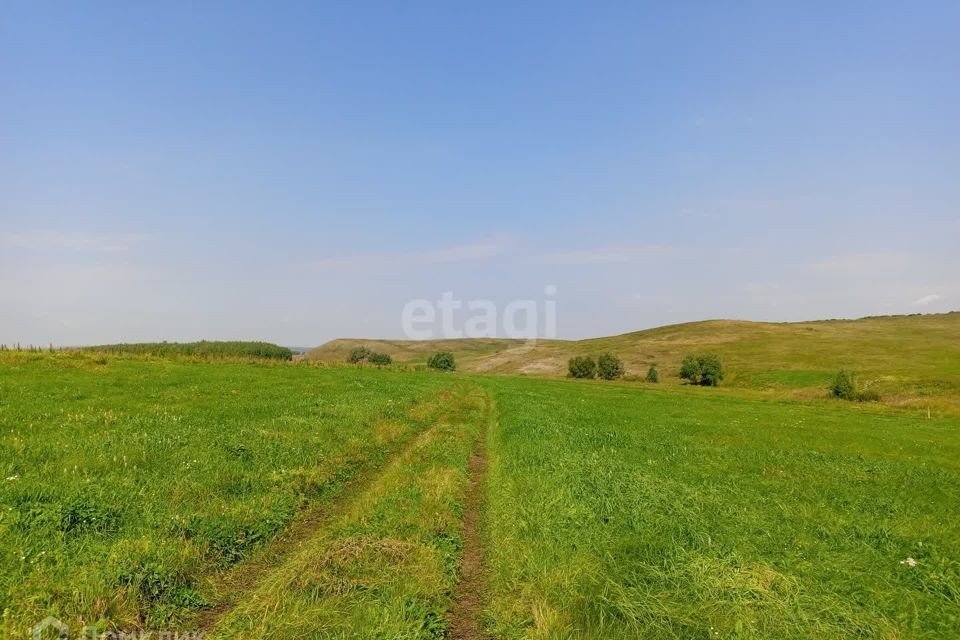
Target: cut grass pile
x=121, y=484
x=617, y=512
x=387, y=566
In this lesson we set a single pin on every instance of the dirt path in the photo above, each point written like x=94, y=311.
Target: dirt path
x=466, y=613
x=233, y=585
x=465, y=617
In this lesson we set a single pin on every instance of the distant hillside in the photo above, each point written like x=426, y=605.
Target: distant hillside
x=204, y=348
x=908, y=358
x=467, y=351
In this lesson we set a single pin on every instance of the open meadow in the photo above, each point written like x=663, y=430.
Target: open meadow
x=126, y=482
x=267, y=499
x=624, y=513
x=479, y=321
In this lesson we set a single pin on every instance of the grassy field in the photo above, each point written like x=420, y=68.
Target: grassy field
x=385, y=568
x=273, y=499
x=913, y=361
x=124, y=484
x=624, y=513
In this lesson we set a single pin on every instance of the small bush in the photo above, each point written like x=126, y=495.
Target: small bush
x=844, y=386
x=704, y=370
x=609, y=367
x=652, y=375
x=442, y=361
x=868, y=395
x=582, y=367
x=379, y=359
x=358, y=355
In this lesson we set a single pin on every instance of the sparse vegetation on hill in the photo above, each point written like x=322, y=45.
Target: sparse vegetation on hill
x=913, y=361
x=202, y=349
x=379, y=359
x=364, y=354
x=358, y=355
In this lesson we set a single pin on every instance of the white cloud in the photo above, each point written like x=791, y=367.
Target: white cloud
x=477, y=251
x=928, y=300
x=71, y=240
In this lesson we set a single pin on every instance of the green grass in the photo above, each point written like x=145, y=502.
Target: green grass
x=122, y=484
x=386, y=567
x=625, y=513
x=272, y=499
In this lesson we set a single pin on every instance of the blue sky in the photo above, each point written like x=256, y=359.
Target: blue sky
x=297, y=172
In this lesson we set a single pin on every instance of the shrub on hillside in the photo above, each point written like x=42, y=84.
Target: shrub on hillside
x=442, y=361
x=609, y=367
x=358, y=355
x=844, y=386
x=379, y=359
x=652, y=375
x=703, y=369
x=868, y=395
x=582, y=367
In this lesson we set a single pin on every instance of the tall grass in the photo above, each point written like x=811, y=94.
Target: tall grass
x=619, y=513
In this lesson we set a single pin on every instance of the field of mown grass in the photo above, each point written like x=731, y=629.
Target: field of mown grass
x=126, y=482
x=617, y=512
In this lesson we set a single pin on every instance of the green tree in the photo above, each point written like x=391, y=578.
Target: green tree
x=379, y=359
x=442, y=361
x=652, y=375
x=703, y=369
x=609, y=367
x=358, y=355
x=582, y=367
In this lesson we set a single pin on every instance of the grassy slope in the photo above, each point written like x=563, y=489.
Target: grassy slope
x=618, y=512
x=123, y=483
x=911, y=360
x=415, y=351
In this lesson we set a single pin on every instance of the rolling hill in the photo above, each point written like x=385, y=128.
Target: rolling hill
x=911, y=360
